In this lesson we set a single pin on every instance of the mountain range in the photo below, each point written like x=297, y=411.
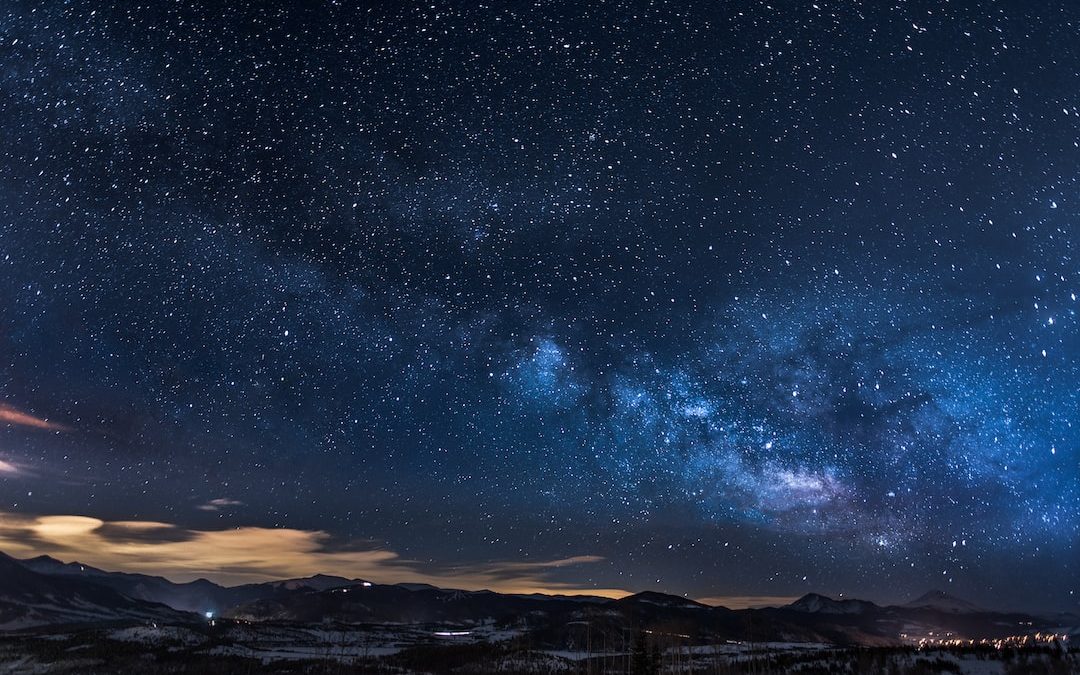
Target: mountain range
x=199, y=596
x=44, y=591
x=28, y=599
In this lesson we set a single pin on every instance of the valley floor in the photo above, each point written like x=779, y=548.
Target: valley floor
x=238, y=647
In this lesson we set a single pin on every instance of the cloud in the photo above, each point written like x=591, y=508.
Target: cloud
x=16, y=417
x=748, y=601
x=9, y=469
x=219, y=504
x=252, y=554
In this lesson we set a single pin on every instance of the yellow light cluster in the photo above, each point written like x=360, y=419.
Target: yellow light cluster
x=1029, y=640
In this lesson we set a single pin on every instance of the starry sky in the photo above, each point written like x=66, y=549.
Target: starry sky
x=728, y=299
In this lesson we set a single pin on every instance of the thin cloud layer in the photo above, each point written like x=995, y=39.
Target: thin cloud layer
x=219, y=504
x=748, y=601
x=252, y=554
x=16, y=417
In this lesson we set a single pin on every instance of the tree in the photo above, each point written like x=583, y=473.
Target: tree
x=645, y=662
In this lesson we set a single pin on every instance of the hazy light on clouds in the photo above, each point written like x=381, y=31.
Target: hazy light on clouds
x=748, y=601
x=243, y=555
x=219, y=504
x=17, y=417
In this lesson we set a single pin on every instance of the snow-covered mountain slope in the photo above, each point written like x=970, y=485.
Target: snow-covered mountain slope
x=942, y=601
x=29, y=599
x=199, y=596
x=814, y=603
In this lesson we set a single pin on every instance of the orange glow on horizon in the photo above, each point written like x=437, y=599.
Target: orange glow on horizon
x=255, y=554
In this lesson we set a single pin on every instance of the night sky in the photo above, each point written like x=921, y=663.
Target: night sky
x=725, y=299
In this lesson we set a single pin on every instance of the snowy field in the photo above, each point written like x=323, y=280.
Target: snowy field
x=229, y=646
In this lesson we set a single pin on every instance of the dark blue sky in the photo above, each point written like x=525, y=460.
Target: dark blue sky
x=733, y=299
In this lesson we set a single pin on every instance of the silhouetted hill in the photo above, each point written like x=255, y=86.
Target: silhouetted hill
x=941, y=600
x=199, y=596
x=813, y=603
x=44, y=590
x=28, y=598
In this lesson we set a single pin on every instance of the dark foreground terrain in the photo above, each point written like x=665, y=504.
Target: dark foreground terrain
x=232, y=647
x=60, y=617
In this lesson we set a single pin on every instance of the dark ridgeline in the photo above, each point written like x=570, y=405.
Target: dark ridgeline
x=92, y=594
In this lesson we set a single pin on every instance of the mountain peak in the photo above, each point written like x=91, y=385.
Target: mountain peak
x=662, y=600
x=817, y=603
x=46, y=564
x=317, y=582
x=812, y=602
x=938, y=599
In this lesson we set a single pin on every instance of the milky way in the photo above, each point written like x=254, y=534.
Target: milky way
x=722, y=299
